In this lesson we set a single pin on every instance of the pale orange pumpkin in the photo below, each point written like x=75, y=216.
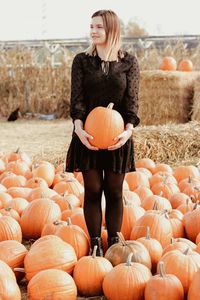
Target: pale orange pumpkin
x=175, y=245
x=168, y=63
x=89, y=273
x=10, y=212
x=51, y=228
x=18, y=204
x=9, y=288
x=52, y=284
x=36, y=182
x=185, y=65
x=70, y=186
x=178, y=199
x=75, y=236
x=45, y=170
x=49, y=253
x=131, y=213
x=191, y=221
x=104, y=124
x=183, y=265
x=136, y=179
x=162, y=167
x=6, y=270
x=13, y=253
x=36, y=215
x=5, y=199
x=194, y=288
x=184, y=172
x=160, y=227
x=126, y=281
x=154, y=247
x=10, y=229
x=164, y=286
x=145, y=162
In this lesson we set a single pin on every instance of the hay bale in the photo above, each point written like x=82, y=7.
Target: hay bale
x=196, y=101
x=166, y=97
x=168, y=143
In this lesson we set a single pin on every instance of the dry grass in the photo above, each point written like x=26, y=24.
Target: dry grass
x=49, y=140
x=30, y=79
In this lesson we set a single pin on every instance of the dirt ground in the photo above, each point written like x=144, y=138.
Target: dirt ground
x=49, y=140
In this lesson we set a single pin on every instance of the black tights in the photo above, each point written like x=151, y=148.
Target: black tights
x=95, y=183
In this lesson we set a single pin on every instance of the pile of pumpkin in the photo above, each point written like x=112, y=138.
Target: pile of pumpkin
x=169, y=63
x=158, y=256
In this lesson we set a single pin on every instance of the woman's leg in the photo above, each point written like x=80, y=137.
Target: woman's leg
x=113, y=186
x=93, y=183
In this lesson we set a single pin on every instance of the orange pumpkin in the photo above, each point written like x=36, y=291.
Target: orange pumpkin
x=104, y=124
x=185, y=65
x=13, y=253
x=160, y=227
x=89, y=273
x=49, y=253
x=164, y=286
x=168, y=63
x=36, y=215
x=75, y=236
x=52, y=284
x=194, y=289
x=183, y=265
x=10, y=229
x=9, y=288
x=154, y=247
x=126, y=281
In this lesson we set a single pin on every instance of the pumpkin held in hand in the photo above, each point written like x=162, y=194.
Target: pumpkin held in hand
x=104, y=124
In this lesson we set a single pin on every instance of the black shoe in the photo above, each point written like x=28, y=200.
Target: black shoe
x=112, y=240
x=96, y=241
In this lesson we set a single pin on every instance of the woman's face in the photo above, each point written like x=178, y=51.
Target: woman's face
x=97, y=31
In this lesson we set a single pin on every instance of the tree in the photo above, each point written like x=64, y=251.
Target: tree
x=133, y=29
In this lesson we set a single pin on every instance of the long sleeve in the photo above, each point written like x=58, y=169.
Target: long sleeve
x=77, y=106
x=130, y=101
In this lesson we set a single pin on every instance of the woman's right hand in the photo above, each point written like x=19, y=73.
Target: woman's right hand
x=85, y=137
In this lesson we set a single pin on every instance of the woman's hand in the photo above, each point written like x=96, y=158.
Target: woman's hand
x=122, y=139
x=85, y=137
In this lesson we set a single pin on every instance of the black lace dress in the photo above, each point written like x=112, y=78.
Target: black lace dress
x=91, y=87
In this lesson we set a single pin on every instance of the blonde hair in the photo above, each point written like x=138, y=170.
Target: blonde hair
x=112, y=26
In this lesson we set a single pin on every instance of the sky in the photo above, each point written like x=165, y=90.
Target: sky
x=63, y=19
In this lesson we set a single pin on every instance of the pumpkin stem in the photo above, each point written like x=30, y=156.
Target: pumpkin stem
x=161, y=269
x=196, y=205
x=172, y=241
x=8, y=208
x=125, y=200
x=155, y=206
x=148, y=233
x=121, y=238
x=56, y=222
x=129, y=259
x=17, y=151
x=94, y=253
x=69, y=222
x=186, y=251
x=19, y=270
x=110, y=105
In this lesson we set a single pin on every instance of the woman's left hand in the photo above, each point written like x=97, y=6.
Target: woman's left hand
x=122, y=139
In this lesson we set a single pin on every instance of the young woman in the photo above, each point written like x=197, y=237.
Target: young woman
x=102, y=74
